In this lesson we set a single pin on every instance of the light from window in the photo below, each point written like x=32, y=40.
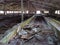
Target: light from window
x=1, y=12
x=16, y=11
x=27, y=11
x=10, y=12
x=46, y=11
x=57, y=12
x=19, y=11
x=38, y=12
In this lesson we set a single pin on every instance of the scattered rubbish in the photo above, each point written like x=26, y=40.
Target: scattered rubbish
x=50, y=40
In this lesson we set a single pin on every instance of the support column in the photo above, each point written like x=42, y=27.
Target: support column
x=22, y=9
x=4, y=8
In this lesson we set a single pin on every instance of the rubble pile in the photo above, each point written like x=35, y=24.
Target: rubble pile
x=32, y=35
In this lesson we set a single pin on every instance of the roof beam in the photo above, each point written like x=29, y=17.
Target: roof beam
x=45, y=3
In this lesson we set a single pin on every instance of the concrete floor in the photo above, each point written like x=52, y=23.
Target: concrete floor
x=38, y=39
x=42, y=38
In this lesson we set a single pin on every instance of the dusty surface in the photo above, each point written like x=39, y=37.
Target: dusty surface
x=45, y=37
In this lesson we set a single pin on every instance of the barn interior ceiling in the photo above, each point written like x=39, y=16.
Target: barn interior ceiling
x=31, y=5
